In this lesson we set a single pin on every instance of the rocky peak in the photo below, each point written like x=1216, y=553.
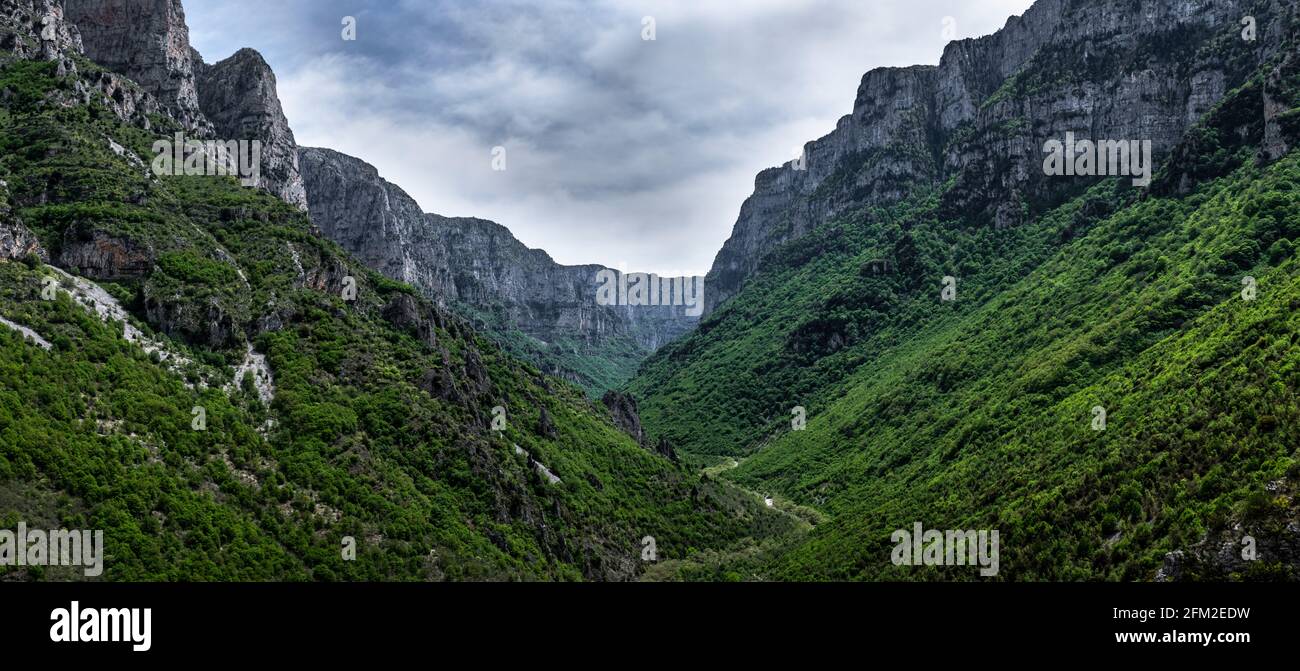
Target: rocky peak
x=233, y=99
x=238, y=95
x=875, y=153
x=148, y=41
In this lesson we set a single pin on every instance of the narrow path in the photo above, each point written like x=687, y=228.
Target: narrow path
x=716, y=470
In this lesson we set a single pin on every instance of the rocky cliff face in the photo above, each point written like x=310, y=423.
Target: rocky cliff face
x=17, y=242
x=40, y=30
x=234, y=99
x=1111, y=69
x=147, y=41
x=238, y=95
x=375, y=220
x=31, y=29
x=473, y=262
x=873, y=154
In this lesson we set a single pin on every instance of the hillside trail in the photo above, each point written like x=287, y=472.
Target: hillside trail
x=780, y=506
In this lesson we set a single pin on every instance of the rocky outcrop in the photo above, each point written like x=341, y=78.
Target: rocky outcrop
x=39, y=30
x=16, y=241
x=1109, y=69
x=1260, y=543
x=101, y=256
x=414, y=317
x=472, y=262
x=213, y=323
x=238, y=95
x=546, y=425
x=665, y=449
x=622, y=409
x=147, y=41
x=36, y=29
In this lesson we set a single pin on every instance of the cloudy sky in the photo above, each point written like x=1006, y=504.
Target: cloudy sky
x=618, y=150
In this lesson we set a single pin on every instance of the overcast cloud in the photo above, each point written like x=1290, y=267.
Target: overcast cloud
x=619, y=150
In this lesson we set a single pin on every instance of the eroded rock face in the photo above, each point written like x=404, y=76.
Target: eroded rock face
x=238, y=95
x=1280, y=130
x=473, y=261
x=622, y=408
x=125, y=98
x=16, y=242
x=39, y=30
x=36, y=29
x=1261, y=543
x=147, y=41
x=101, y=256
x=1102, y=69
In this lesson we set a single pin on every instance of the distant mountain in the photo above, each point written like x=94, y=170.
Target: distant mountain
x=542, y=311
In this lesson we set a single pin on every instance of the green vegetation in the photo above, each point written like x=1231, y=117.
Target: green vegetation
x=379, y=424
x=978, y=413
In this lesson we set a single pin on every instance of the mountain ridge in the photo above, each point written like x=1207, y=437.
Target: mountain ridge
x=479, y=263
x=547, y=315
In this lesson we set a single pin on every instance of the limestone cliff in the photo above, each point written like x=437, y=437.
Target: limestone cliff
x=239, y=96
x=147, y=41
x=1102, y=69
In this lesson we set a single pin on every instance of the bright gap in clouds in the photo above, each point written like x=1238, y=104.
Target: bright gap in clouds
x=618, y=150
